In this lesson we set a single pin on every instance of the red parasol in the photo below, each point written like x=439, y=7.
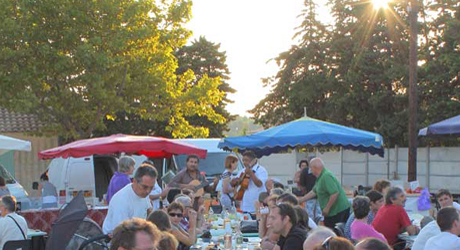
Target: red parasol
x=155, y=147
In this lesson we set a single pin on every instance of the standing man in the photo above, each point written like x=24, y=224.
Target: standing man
x=449, y=221
x=132, y=200
x=283, y=221
x=392, y=219
x=331, y=197
x=258, y=176
x=190, y=173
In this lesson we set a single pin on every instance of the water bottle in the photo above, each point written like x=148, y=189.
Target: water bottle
x=239, y=238
x=228, y=237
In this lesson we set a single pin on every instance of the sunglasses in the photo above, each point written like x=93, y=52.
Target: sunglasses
x=176, y=215
x=326, y=243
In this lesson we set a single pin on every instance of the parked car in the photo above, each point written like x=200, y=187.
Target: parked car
x=16, y=189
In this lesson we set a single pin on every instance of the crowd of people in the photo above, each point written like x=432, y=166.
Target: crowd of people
x=315, y=215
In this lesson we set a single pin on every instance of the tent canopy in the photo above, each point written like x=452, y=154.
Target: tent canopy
x=449, y=126
x=10, y=143
x=305, y=132
x=155, y=147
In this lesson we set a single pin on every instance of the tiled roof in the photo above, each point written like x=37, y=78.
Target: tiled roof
x=17, y=122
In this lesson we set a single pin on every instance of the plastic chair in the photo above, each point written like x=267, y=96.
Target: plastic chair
x=18, y=244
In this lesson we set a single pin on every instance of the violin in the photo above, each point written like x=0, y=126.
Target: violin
x=243, y=182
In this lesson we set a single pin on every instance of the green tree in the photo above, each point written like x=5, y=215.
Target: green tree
x=204, y=58
x=352, y=73
x=74, y=63
x=439, y=75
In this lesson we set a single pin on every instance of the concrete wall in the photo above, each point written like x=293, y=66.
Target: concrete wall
x=436, y=167
x=28, y=167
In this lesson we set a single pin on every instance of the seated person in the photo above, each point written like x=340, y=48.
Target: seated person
x=271, y=184
x=333, y=243
x=429, y=230
x=176, y=212
x=283, y=221
x=392, y=218
x=135, y=233
x=372, y=244
x=317, y=236
x=376, y=202
x=187, y=204
x=449, y=222
x=302, y=218
x=445, y=199
x=161, y=219
x=360, y=228
x=268, y=238
x=277, y=191
x=167, y=242
x=172, y=194
x=12, y=225
x=288, y=198
x=382, y=186
x=5, y=191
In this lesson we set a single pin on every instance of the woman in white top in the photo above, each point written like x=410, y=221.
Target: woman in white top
x=226, y=197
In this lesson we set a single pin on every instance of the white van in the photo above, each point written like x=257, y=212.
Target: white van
x=90, y=174
x=16, y=189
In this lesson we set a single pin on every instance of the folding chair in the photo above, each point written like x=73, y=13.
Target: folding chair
x=18, y=245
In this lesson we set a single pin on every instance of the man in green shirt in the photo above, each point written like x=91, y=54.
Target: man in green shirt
x=331, y=197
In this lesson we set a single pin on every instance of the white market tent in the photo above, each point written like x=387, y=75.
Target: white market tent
x=10, y=143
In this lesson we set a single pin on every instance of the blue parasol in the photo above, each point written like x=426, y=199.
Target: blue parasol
x=449, y=126
x=305, y=131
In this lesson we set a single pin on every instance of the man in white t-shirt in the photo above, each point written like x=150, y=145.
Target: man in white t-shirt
x=445, y=199
x=132, y=201
x=431, y=229
x=449, y=222
x=258, y=176
x=12, y=225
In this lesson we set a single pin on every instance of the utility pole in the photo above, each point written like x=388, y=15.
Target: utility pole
x=413, y=15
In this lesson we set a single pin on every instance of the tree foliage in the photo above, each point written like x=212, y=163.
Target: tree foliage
x=355, y=71
x=76, y=63
x=205, y=59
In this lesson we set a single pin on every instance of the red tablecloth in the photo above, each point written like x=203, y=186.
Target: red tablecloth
x=43, y=219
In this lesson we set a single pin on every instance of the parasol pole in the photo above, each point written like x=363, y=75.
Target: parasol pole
x=305, y=111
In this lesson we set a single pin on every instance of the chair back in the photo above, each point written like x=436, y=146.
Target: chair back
x=18, y=245
x=339, y=229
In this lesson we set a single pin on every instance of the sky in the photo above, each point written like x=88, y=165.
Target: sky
x=251, y=32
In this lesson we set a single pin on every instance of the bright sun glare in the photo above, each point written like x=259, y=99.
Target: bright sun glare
x=381, y=4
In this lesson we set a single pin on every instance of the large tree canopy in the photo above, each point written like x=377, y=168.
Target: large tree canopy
x=74, y=63
x=355, y=71
x=205, y=59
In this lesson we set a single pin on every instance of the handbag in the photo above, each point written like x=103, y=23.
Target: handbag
x=249, y=226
